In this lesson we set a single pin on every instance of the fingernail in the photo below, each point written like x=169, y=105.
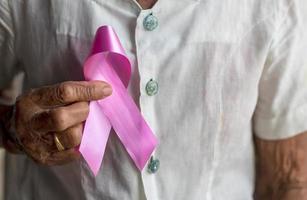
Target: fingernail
x=107, y=90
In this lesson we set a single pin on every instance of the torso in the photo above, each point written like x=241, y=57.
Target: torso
x=199, y=57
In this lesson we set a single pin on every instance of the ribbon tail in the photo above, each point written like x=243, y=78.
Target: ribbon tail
x=126, y=119
x=95, y=136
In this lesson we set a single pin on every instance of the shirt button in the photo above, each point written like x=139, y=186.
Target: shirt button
x=150, y=22
x=152, y=87
x=153, y=165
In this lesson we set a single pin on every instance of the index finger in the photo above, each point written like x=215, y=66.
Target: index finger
x=70, y=92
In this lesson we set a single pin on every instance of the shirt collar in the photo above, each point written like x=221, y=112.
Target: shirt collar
x=160, y=3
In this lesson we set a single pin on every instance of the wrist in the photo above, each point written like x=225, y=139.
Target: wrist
x=10, y=141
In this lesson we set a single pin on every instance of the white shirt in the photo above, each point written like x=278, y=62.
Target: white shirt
x=225, y=71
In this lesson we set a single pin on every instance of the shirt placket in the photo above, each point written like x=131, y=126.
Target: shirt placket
x=146, y=29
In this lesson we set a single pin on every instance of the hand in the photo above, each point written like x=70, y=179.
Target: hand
x=57, y=110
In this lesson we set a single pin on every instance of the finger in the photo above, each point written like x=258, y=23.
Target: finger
x=44, y=154
x=71, y=137
x=60, y=118
x=69, y=92
x=59, y=158
x=63, y=157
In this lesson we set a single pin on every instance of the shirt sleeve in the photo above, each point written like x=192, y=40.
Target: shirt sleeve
x=8, y=67
x=281, y=111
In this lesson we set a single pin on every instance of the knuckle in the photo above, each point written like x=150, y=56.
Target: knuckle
x=44, y=158
x=59, y=118
x=42, y=161
x=85, y=107
x=64, y=92
x=30, y=94
x=75, y=137
x=40, y=158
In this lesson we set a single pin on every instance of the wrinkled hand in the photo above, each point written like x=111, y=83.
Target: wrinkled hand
x=55, y=110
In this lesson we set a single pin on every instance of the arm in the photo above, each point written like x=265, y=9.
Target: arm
x=5, y=112
x=7, y=99
x=282, y=111
x=281, y=168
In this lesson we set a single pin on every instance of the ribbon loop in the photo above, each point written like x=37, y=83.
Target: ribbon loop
x=108, y=62
x=106, y=40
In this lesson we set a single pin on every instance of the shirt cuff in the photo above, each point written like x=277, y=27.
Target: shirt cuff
x=281, y=127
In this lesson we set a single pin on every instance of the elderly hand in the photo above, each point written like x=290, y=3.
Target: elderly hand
x=49, y=120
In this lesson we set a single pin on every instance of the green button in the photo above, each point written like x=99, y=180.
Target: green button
x=153, y=165
x=152, y=87
x=150, y=22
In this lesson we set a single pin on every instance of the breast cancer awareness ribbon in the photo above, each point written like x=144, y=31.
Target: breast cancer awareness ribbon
x=108, y=62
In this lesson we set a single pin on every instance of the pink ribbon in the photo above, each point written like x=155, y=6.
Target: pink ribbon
x=108, y=62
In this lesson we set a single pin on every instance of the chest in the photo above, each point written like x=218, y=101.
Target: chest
x=193, y=49
x=146, y=4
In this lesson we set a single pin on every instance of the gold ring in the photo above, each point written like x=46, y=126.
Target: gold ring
x=58, y=144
